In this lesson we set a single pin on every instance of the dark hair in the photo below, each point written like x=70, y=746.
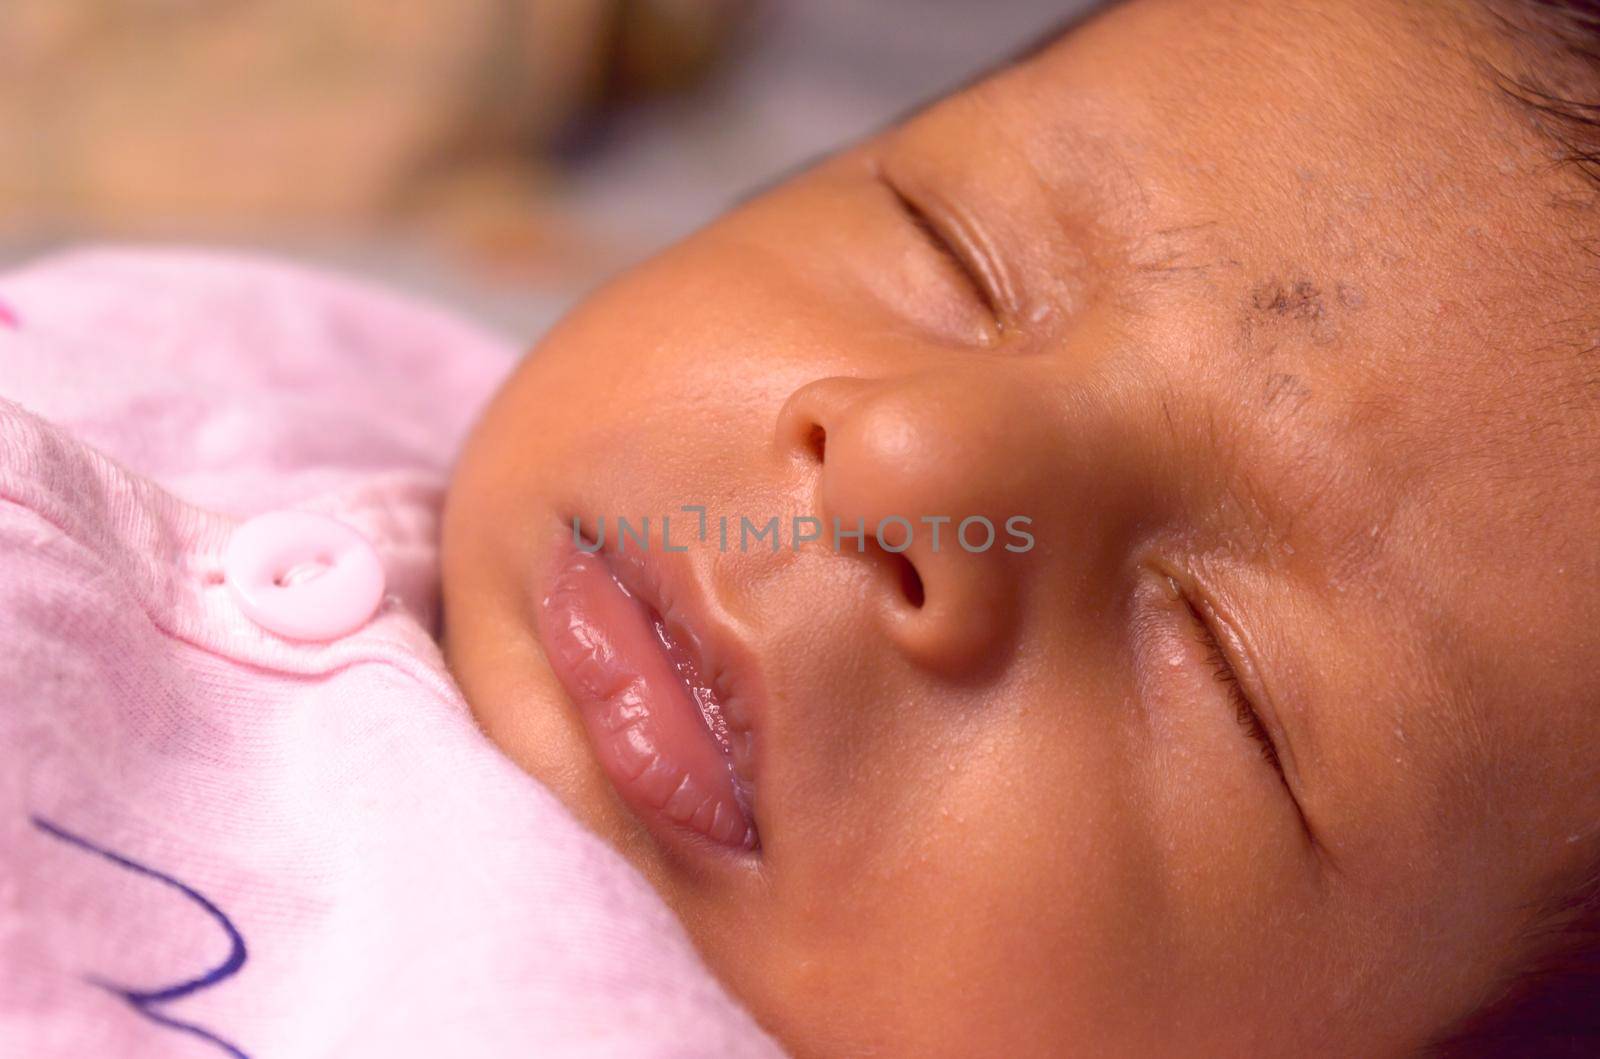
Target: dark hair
x=1560, y=86
x=1549, y=1006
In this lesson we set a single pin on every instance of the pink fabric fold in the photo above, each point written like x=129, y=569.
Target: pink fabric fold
x=214, y=841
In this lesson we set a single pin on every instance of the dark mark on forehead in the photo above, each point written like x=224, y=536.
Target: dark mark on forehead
x=1304, y=301
x=1299, y=300
x=1350, y=297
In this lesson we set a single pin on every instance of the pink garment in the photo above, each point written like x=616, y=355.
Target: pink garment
x=215, y=841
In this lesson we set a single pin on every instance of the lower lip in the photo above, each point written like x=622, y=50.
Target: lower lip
x=632, y=687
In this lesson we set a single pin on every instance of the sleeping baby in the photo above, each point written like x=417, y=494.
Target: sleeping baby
x=1103, y=567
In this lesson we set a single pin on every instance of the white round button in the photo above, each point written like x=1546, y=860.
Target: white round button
x=303, y=576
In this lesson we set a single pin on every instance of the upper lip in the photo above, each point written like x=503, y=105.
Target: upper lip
x=665, y=582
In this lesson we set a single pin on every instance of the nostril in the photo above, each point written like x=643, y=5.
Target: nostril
x=910, y=582
x=817, y=442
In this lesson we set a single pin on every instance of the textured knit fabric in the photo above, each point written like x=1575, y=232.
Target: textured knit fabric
x=214, y=841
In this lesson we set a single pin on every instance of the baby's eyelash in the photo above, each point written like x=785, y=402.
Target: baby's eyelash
x=936, y=238
x=1222, y=670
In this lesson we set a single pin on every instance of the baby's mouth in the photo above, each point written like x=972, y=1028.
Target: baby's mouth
x=663, y=729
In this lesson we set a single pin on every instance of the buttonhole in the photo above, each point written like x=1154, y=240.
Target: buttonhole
x=300, y=573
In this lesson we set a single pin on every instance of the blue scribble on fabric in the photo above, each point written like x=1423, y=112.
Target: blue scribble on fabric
x=145, y=1001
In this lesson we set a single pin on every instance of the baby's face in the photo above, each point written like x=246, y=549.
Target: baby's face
x=1268, y=317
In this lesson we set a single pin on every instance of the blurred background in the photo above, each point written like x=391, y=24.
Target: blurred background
x=498, y=156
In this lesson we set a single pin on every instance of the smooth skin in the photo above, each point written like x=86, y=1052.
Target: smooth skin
x=1271, y=316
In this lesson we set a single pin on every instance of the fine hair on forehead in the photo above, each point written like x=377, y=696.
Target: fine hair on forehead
x=1549, y=1006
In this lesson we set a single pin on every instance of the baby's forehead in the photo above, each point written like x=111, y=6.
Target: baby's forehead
x=1399, y=243
x=1335, y=107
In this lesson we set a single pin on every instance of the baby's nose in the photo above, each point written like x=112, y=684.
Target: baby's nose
x=936, y=478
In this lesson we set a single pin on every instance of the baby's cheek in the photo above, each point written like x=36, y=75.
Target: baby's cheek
x=1047, y=879
x=1232, y=881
